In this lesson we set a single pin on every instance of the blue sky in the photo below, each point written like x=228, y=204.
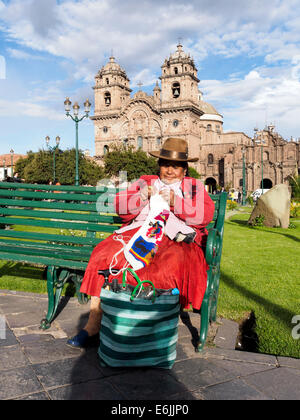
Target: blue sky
x=247, y=55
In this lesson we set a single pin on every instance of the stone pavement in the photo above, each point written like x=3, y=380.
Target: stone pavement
x=37, y=365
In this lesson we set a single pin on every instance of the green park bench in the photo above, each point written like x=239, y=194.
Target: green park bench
x=59, y=226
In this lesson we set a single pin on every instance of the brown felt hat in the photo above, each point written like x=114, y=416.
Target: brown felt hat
x=174, y=149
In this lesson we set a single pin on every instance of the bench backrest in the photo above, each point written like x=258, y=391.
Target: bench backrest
x=220, y=208
x=68, y=209
x=63, y=208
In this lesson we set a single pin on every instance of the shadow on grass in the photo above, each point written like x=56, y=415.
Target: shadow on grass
x=276, y=311
x=244, y=223
x=14, y=269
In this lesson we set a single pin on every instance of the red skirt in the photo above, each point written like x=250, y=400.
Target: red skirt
x=176, y=264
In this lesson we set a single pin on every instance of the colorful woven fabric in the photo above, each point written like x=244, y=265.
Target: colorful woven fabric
x=143, y=246
x=138, y=332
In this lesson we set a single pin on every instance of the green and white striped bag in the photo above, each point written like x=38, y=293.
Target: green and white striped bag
x=137, y=331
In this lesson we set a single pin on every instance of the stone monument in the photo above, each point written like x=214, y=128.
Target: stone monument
x=274, y=205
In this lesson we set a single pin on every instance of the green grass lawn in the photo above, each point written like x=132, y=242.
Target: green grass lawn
x=260, y=275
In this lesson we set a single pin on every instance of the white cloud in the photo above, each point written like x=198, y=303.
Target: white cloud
x=86, y=30
x=258, y=99
x=142, y=34
x=145, y=76
x=22, y=55
x=29, y=109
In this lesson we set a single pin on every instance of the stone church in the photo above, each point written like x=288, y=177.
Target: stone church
x=177, y=109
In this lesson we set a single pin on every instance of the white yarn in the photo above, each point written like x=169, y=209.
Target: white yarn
x=114, y=260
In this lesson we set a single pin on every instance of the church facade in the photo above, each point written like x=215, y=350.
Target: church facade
x=177, y=109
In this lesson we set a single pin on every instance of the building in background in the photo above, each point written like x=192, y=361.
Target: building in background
x=5, y=164
x=177, y=109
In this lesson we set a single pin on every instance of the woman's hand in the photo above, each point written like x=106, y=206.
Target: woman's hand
x=147, y=191
x=168, y=196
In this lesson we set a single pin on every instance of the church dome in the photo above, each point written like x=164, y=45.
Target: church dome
x=179, y=54
x=208, y=108
x=112, y=67
x=210, y=112
x=180, y=57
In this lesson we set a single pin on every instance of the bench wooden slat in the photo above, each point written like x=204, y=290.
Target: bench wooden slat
x=48, y=195
x=41, y=260
x=94, y=217
x=101, y=197
x=43, y=252
x=84, y=226
x=80, y=250
x=51, y=205
x=78, y=189
x=47, y=237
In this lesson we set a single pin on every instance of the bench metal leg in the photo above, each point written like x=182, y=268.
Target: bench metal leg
x=209, y=305
x=54, y=287
x=213, y=313
x=205, y=310
x=77, y=279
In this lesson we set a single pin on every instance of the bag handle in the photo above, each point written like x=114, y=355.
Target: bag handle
x=134, y=275
x=139, y=283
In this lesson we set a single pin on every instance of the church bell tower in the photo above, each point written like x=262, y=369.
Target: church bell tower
x=179, y=82
x=111, y=88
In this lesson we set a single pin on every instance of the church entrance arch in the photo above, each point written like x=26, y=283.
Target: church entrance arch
x=267, y=184
x=211, y=184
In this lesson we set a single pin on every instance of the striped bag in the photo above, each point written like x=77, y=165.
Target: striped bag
x=136, y=331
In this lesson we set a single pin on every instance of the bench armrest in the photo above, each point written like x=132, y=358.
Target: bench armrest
x=213, y=246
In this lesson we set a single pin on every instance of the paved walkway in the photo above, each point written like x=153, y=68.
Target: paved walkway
x=36, y=365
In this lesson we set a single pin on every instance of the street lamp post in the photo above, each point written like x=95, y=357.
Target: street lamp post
x=4, y=168
x=261, y=142
x=12, y=163
x=244, y=179
x=53, y=150
x=76, y=107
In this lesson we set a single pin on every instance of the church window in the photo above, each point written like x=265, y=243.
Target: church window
x=176, y=90
x=140, y=142
x=210, y=159
x=158, y=141
x=107, y=98
x=105, y=150
x=175, y=70
x=105, y=129
x=107, y=81
x=175, y=123
x=208, y=128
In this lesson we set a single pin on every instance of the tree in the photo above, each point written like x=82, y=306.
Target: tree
x=294, y=181
x=22, y=163
x=193, y=173
x=38, y=168
x=134, y=162
x=89, y=172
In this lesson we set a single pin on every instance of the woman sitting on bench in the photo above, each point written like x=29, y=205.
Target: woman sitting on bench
x=179, y=260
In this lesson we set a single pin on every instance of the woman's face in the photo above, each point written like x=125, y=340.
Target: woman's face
x=171, y=171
